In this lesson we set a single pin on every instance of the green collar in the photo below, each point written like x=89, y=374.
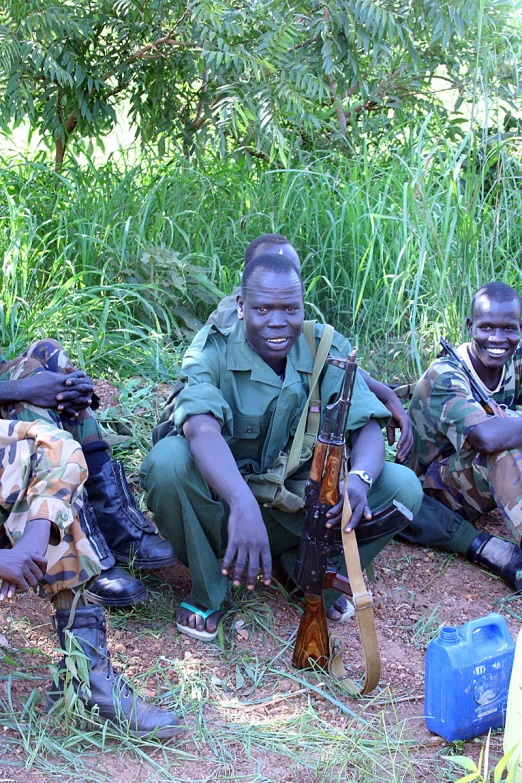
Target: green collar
x=240, y=356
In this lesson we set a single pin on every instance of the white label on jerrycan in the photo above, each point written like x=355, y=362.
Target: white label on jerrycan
x=513, y=730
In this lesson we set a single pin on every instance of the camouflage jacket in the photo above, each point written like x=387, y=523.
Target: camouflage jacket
x=42, y=470
x=443, y=409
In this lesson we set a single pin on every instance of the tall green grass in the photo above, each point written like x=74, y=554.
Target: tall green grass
x=123, y=260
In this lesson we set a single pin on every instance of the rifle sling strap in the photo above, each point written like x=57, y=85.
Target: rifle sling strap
x=363, y=611
x=309, y=423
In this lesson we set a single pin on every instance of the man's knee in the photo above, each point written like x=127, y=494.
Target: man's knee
x=410, y=490
x=20, y=368
x=167, y=466
x=50, y=354
x=401, y=484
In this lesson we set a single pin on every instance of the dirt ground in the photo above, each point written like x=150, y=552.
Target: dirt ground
x=415, y=591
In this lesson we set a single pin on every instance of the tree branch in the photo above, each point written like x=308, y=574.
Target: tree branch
x=338, y=105
x=60, y=146
x=255, y=153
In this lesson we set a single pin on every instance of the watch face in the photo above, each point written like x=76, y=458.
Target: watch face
x=364, y=476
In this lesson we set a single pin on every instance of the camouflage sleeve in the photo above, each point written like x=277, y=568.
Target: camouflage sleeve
x=517, y=372
x=42, y=471
x=453, y=411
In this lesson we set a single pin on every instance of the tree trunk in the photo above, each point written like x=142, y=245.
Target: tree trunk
x=59, y=145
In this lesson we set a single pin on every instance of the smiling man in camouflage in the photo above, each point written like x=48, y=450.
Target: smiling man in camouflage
x=467, y=459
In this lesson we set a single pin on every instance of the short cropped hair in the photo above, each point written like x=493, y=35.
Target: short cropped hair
x=269, y=239
x=272, y=262
x=497, y=292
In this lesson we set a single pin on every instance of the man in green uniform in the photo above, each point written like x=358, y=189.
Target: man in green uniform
x=225, y=315
x=42, y=470
x=245, y=389
x=44, y=384
x=469, y=460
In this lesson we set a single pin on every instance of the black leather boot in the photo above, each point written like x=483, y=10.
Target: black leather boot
x=501, y=557
x=129, y=534
x=114, y=697
x=114, y=586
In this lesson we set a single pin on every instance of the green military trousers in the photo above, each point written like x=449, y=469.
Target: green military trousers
x=436, y=525
x=194, y=519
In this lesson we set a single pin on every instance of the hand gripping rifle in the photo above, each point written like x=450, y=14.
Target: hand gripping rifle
x=488, y=403
x=312, y=646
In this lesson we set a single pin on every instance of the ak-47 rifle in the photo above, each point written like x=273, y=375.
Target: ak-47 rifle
x=489, y=404
x=322, y=493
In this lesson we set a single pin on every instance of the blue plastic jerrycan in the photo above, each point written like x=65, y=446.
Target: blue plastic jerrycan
x=467, y=678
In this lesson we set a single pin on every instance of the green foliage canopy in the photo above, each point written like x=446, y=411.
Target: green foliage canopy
x=249, y=76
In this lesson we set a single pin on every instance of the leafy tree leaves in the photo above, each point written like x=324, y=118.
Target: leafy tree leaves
x=257, y=76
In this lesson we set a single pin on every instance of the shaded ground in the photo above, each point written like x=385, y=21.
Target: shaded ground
x=250, y=716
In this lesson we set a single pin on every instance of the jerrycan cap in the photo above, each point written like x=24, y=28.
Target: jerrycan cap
x=449, y=636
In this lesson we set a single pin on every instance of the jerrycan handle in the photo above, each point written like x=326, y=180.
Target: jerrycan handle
x=484, y=630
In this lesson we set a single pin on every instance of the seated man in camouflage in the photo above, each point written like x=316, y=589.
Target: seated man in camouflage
x=244, y=393
x=42, y=470
x=44, y=384
x=468, y=460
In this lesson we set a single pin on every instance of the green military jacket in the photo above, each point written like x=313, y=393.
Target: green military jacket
x=443, y=410
x=225, y=314
x=257, y=410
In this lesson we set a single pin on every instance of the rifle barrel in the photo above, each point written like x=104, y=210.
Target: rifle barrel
x=489, y=404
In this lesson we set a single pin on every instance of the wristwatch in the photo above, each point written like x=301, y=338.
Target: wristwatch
x=363, y=475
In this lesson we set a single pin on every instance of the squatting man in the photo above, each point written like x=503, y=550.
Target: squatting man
x=42, y=471
x=245, y=388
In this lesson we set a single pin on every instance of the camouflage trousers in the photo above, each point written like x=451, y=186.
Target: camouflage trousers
x=47, y=356
x=42, y=470
x=474, y=483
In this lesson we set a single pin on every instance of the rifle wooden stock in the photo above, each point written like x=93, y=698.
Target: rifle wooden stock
x=312, y=645
x=319, y=458
x=492, y=407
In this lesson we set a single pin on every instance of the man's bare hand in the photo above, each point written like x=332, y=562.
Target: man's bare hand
x=67, y=392
x=401, y=420
x=19, y=570
x=247, y=544
x=358, y=497
x=405, y=443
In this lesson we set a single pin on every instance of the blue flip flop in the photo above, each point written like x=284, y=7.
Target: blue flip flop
x=204, y=636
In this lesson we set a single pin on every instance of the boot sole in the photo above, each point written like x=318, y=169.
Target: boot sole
x=115, y=602
x=146, y=565
x=165, y=733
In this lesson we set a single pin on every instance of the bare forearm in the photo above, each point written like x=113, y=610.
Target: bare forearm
x=496, y=434
x=248, y=541
x=12, y=391
x=386, y=395
x=35, y=538
x=368, y=449
x=381, y=391
x=215, y=461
